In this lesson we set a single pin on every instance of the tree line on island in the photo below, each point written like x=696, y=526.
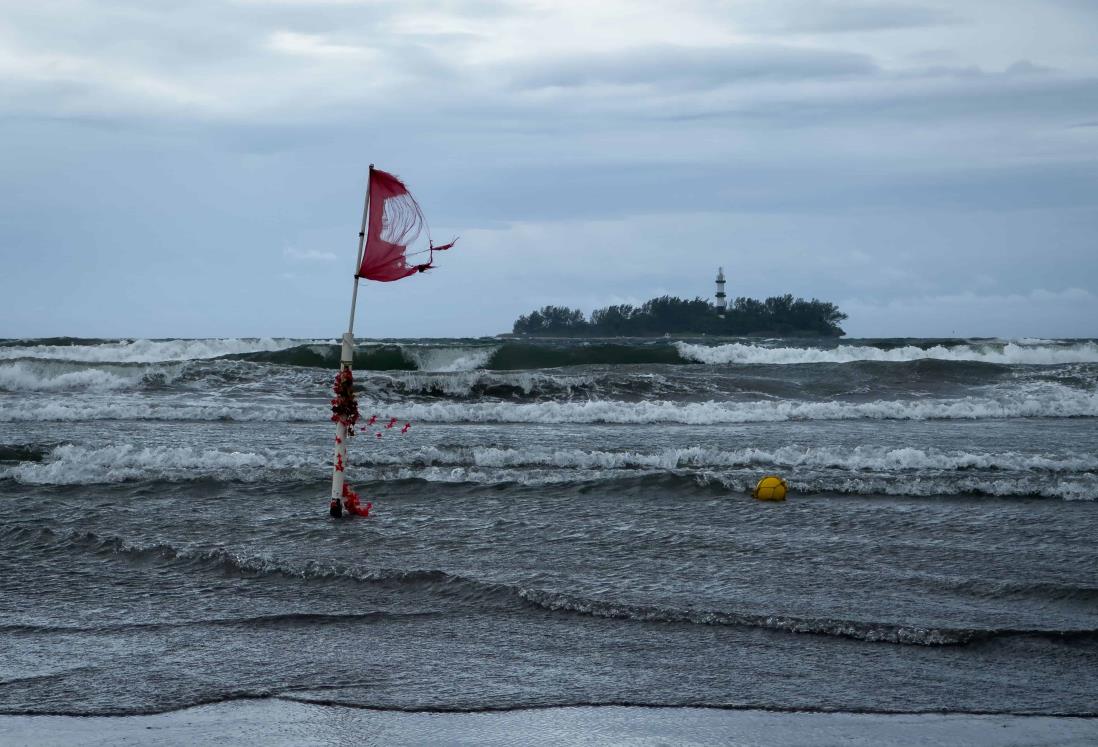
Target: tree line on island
x=776, y=316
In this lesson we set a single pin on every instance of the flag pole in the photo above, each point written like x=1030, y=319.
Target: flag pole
x=347, y=351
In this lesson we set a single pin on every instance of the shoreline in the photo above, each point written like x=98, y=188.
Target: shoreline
x=281, y=721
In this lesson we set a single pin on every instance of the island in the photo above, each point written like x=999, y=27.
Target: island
x=778, y=316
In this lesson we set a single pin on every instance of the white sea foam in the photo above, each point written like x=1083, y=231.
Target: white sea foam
x=73, y=410
x=22, y=376
x=1003, y=353
x=859, y=471
x=867, y=458
x=1026, y=401
x=76, y=465
x=152, y=351
x=1076, y=487
x=1049, y=400
x=447, y=359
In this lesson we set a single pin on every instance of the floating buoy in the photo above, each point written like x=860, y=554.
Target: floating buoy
x=770, y=488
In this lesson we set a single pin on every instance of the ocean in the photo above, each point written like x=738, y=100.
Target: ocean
x=565, y=522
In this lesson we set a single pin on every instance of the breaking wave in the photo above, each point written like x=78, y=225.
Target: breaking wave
x=150, y=409
x=451, y=358
x=858, y=458
x=687, y=471
x=515, y=355
x=81, y=465
x=383, y=357
x=24, y=377
x=1050, y=400
x=487, y=385
x=55, y=376
x=47, y=375
x=1008, y=353
x=447, y=359
x=1032, y=400
x=145, y=351
x=716, y=483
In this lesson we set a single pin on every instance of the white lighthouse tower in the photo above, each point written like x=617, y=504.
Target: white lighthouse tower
x=722, y=304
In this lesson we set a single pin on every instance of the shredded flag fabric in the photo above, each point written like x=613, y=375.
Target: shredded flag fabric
x=396, y=223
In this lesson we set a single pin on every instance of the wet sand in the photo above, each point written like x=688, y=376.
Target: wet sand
x=283, y=722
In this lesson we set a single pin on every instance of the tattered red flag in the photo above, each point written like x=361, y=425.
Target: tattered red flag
x=396, y=223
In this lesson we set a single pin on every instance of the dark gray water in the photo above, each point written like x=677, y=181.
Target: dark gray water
x=564, y=523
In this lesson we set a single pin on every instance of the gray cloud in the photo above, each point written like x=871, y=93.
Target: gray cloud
x=930, y=97
x=822, y=16
x=696, y=67
x=835, y=187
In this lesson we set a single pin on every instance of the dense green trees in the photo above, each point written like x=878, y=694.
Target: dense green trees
x=778, y=315
x=786, y=315
x=552, y=320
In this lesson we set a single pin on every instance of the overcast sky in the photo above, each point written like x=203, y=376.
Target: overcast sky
x=196, y=168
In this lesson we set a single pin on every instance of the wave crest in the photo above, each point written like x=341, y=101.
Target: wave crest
x=1037, y=400
x=147, y=351
x=1008, y=353
x=857, y=458
x=80, y=465
x=862, y=470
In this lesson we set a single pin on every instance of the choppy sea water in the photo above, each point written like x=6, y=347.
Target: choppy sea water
x=565, y=522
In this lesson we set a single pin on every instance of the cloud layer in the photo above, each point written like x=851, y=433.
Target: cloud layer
x=876, y=154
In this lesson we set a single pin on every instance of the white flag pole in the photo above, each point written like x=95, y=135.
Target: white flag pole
x=347, y=352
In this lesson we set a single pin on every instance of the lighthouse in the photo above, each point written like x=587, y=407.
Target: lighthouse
x=722, y=304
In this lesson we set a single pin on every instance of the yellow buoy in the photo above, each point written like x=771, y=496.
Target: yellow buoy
x=770, y=488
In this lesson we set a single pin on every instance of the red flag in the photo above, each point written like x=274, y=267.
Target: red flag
x=396, y=223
